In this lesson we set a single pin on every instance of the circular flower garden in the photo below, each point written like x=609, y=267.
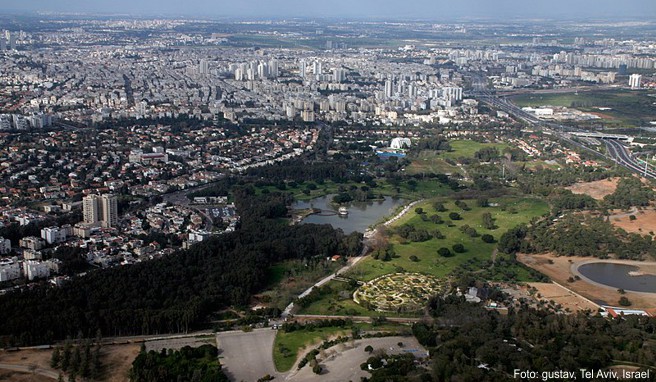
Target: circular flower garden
x=398, y=292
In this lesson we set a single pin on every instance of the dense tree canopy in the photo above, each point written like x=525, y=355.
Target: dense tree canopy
x=467, y=336
x=174, y=293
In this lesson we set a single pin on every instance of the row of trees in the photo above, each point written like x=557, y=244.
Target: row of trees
x=188, y=364
x=81, y=358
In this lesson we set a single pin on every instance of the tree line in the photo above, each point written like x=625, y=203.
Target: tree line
x=175, y=293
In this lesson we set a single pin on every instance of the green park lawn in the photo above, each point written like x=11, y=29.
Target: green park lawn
x=467, y=149
x=297, y=341
x=508, y=212
x=426, y=252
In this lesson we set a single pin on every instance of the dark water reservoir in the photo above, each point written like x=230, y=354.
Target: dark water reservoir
x=617, y=276
x=360, y=216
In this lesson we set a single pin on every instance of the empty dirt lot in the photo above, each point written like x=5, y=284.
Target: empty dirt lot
x=597, y=189
x=564, y=297
x=644, y=224
x=247, y=356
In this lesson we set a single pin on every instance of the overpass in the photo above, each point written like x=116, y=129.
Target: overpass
x=616, y=137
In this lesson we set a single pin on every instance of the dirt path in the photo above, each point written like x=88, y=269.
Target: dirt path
x=30, y=369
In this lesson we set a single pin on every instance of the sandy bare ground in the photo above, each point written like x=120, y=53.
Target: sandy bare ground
x=30, y=358
x=644, y=224
x=13, y=376
x=118, y=361
x=559, y=269
x=563, y=296
x=597, y=189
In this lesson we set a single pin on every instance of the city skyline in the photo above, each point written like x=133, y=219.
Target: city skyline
x=367, y=9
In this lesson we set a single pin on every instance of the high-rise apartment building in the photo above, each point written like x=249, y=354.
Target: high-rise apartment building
x=203, y=67
x=100, y=209
x=634, y=81
x=90, y=211
x=109, y=207
x=12, y=41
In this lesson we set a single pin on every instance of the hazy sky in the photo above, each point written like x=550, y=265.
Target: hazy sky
x=424, y=9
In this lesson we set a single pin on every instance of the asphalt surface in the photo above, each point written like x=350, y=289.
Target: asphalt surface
x=616, y=150
x=247, y=356
x=622, y=156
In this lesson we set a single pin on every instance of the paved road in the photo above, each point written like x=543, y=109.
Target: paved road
x=30, y=370
x=623, y=157
x=247, y=356
x=352, y=260
x=616, y=150
x=343, y=364
x=356, y=318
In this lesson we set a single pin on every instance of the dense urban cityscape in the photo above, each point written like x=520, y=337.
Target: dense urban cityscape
x=303, y=199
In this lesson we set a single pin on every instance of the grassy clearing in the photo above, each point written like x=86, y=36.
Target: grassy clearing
x=293, y=342
x=429, y=162
x=627, y=107
x=428, y=261
x=467, y=149
x=297, y=341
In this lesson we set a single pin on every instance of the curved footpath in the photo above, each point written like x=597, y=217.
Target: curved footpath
x=352, y=261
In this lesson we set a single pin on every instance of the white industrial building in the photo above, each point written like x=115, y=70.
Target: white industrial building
x=400, y=143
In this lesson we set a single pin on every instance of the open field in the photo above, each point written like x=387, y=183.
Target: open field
x=295, y=342
x=467, y=148
x=15, y=376
x=429, y=162
x=559, y=269
x=27, y=359
x=627, y=107
x=597, y=189
x=118, y=361
x=566, y=298
x=644, y=224
x=428, y=261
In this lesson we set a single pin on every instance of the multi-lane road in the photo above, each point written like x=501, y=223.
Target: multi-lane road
x=623, y=157
x=616, y=151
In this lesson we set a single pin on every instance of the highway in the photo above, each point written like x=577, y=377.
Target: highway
x=617, y=152
x=623, y=157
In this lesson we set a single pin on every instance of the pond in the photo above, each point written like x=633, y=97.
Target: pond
x=620, y=276
x=360, y=216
